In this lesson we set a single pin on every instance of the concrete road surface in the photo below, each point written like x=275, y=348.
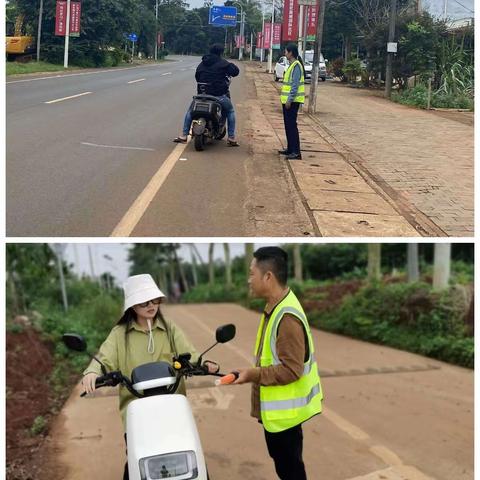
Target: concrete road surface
x=83, y=147
x=388, y=414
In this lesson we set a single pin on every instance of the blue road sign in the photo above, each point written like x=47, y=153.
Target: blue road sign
x=133, y=37
x=223, y=16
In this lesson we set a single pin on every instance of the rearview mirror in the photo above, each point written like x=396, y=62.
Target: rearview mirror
x=74, y=342
x=225, y=333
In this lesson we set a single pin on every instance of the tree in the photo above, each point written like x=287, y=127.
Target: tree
x=211, y=265
x=441, y=265
x=412, y=262
x=248, y=257
x=228, y=265
x=297, y=262
x=374, y=261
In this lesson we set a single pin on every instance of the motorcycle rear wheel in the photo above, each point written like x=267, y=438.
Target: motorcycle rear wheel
x=198, y=141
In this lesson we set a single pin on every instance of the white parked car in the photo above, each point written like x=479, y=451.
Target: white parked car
x=282, y=65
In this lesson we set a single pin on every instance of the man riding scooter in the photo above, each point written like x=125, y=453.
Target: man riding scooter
x=213, y=75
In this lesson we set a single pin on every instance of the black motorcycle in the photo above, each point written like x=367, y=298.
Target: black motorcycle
x=208, y=123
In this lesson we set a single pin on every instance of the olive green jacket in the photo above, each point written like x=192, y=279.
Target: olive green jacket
x=126, y=352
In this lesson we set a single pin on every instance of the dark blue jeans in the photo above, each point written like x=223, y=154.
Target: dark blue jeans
x=291, y=128
x=227, y=111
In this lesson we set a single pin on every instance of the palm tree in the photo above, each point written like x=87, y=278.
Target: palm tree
x=412, y=262
x=441, y=265
x=211, y=265
x=374, y=261
x=297, y=262
x=228, y=265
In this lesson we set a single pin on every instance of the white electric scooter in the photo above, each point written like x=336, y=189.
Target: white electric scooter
x=162, y=437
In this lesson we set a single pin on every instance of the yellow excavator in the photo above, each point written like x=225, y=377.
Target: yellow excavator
x=19, y=46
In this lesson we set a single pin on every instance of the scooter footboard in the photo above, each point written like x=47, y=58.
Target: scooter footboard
x=163, y=440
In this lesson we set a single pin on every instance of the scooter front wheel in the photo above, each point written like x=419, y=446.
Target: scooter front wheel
x=198, y=142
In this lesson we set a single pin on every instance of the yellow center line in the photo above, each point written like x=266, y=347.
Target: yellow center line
x=130, y=220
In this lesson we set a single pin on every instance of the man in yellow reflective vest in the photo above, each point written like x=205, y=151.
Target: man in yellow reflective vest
x=292, y=96
x=286, y=388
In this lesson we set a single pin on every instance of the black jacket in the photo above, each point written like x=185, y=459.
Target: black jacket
x=215, y=71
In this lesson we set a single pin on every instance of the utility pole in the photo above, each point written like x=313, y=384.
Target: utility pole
x=242, y=35
x=251, y=46
x=391, y=38
x=262, y=51
x=300, y=29
x=59, y=248
x=419, y=8
x=156, y=30
x=312, y=99
x=270, y=59
x=39, y=34
x=67, y=36
x=445, y=9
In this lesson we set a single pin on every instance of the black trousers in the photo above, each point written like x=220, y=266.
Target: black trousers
x=286, y=449
x=291, y=128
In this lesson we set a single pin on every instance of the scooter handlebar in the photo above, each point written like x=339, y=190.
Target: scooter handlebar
x=110, y=379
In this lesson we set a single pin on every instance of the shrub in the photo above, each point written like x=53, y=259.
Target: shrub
x=38, y=426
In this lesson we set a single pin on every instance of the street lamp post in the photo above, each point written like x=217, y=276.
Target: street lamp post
x=156, y=30
x=67, y=36
x=270, y=59
x=242, y=27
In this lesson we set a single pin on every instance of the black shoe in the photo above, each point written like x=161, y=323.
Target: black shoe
x=294, y=156
x=284, y=152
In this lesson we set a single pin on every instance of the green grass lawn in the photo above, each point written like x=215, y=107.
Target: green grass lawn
x=16, y=68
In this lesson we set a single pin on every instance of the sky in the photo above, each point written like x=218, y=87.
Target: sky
x=455, y=8
x=113, y=258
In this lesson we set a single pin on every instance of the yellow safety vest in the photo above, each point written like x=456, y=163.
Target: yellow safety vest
x=285, y=406
x=287, y=85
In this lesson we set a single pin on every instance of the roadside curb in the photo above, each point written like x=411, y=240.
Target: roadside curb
x=341, y=196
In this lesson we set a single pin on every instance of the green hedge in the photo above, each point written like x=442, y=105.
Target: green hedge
x=410, y=317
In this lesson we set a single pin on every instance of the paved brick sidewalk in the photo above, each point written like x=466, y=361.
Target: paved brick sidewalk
x=419, y=158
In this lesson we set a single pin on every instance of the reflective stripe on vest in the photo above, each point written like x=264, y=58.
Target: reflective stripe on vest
x=285, y=406
x=294, y=403
x=287, y=85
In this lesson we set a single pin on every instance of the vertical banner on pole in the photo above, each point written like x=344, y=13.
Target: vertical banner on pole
x=277, y=35
x=61, y=18
x=290, y=20
x=75, y=13
x=259, y=40
x=267, y=35
x=312, y=14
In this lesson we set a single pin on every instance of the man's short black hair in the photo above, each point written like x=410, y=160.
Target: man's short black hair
x=217, y=49
x=275, y=260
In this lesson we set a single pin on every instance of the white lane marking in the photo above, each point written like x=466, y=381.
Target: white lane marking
x=117, y=146
x=385, y=454
x=68, y=98
x=168, y=73
x=139, y=80
x=395, y=473
x=80, y=74
x=140, y=205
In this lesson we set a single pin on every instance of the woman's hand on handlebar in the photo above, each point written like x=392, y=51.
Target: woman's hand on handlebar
x=88, y=382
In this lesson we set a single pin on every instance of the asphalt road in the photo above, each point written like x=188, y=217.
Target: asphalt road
x=76, y=166
x=388, y=414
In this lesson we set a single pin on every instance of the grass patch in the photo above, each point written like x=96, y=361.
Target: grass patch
x=418, y=97
x=16, y=68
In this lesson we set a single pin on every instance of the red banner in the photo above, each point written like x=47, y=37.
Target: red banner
x=267, y=33
x=312, y=13
x=259, y=40
x=290, y=20
x=159, y=39
x=61, y=18
x=277, y=35
x=75, y=12
x=239, y=41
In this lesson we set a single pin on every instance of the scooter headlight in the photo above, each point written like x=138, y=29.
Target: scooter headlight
x=176, y=466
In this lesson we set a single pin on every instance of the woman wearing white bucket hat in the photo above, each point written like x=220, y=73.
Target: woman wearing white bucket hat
x=141, y=336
